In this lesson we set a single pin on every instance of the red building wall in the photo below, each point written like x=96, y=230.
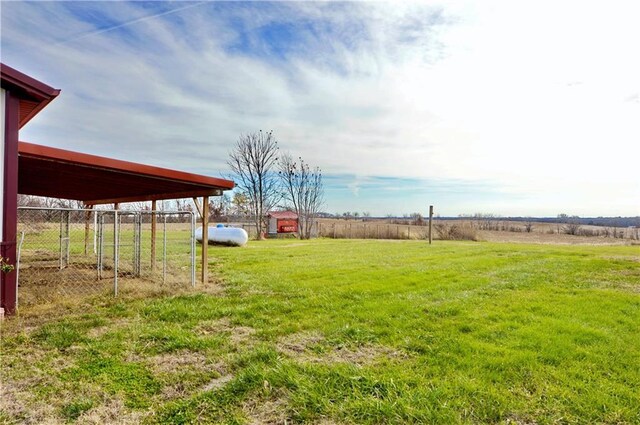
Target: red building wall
x=287, y=226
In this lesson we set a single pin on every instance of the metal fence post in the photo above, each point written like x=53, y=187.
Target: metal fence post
x=164, y=250
x=116, y=241
x=100, y=244
x=137, y=243
x=193, y=250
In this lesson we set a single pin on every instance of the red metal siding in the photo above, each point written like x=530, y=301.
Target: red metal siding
x=287, y=226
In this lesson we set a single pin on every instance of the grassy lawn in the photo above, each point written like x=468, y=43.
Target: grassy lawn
x=348, y=331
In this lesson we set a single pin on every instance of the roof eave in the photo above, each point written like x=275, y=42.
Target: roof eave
x=88, y=160
x=27, y=88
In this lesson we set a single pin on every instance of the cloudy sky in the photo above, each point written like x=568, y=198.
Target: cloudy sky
x=505, y=107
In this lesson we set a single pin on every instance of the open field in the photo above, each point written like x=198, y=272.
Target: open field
x=347, y=331
x=495, y=230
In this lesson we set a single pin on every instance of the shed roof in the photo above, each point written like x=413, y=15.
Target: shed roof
x=33, y=94
x=59, y=173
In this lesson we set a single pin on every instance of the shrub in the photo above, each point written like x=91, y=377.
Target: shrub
x=456, y=231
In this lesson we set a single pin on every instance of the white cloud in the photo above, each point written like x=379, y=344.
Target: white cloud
x=531, y=96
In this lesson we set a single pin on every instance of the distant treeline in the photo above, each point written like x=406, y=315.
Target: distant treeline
x=590, y=221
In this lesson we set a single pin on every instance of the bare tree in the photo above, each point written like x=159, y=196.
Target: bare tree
x=183, y=204
x=572, y=225
x=303, y=190
x=252, y=162
x=219, y=207
x=46, y=202
x=417, y=219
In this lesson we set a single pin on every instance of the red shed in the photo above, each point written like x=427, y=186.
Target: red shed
x=282, y=222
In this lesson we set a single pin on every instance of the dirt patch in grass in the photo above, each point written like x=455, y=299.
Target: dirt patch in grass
x=239, y=335
x=313, y=347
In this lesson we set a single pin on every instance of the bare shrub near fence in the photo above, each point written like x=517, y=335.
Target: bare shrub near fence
x=456, y=231
x=572, y=228
x=369, y=230
x=72, y=253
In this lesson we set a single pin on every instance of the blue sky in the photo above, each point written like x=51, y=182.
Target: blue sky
x=505, y=107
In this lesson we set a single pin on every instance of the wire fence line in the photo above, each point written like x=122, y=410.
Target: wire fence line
x=71, y=253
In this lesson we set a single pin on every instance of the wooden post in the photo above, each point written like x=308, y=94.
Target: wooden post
x=408, y=232
x=430, y=221
x=153, y=235
x=205, y=238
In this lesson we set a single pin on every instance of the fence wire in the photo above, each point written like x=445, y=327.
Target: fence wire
x=71, y=253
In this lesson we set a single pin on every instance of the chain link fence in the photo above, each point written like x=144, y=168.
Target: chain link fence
x=72, y=253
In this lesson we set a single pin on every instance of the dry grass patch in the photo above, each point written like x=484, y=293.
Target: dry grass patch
x=238, y=335
x=261, y=412
x=114, y=325
x=547, y=239
x=17, y=405
x=217, y=383
x=111, y=411
x=175, y=364
x=20, y=404
x=314, y=348
x=179, y=361
x=17, y=398
x=634, y=258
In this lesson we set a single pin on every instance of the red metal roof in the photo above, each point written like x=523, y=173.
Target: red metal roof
x=59, y=173
x=33, y=94
x=283, y=215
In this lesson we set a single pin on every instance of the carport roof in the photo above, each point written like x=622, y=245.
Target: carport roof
x=59, y=173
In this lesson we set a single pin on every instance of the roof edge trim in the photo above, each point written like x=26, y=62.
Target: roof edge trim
x=94, y=161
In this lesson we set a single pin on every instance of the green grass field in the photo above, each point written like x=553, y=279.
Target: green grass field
x=348, y=331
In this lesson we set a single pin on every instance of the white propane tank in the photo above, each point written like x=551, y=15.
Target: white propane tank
x=232, y=236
